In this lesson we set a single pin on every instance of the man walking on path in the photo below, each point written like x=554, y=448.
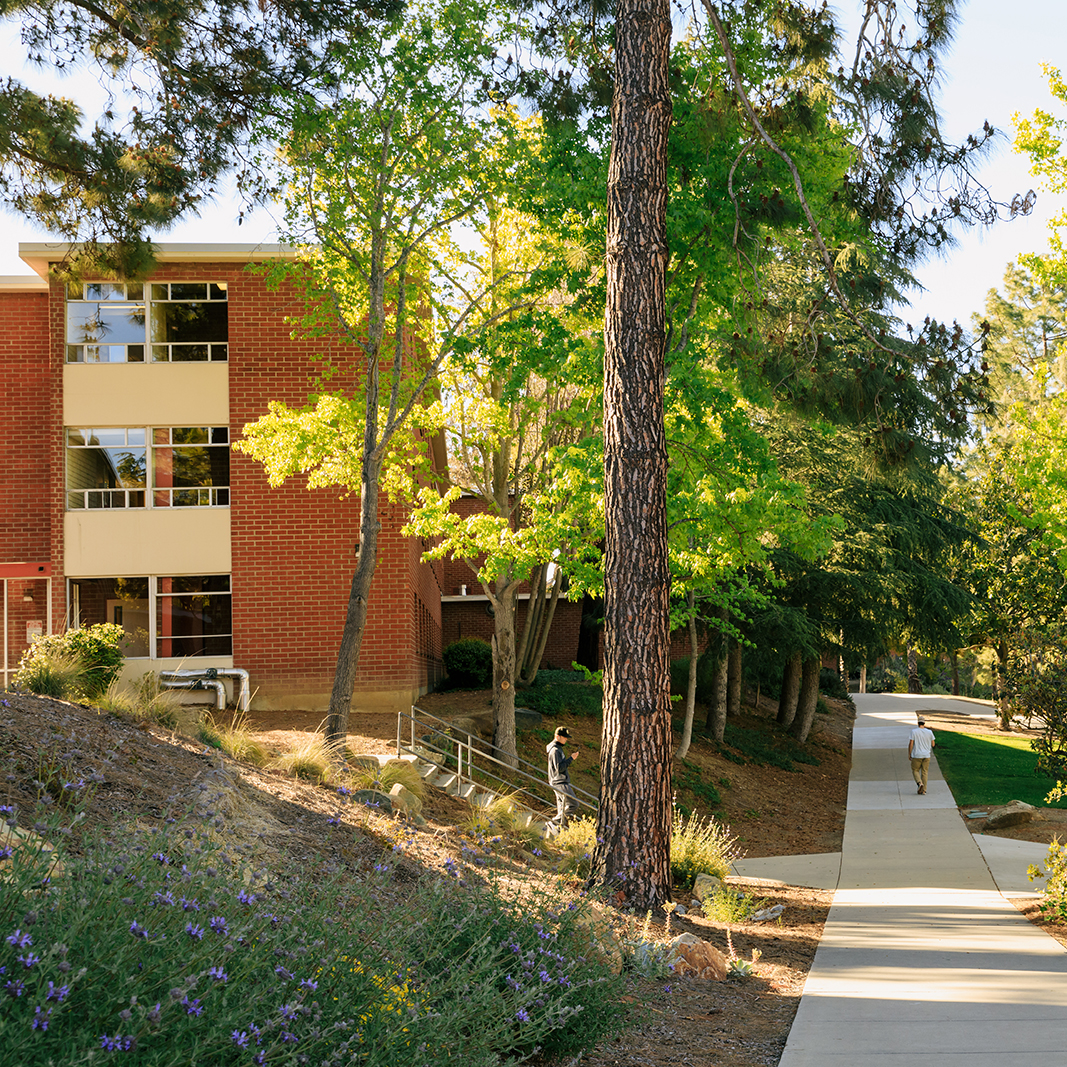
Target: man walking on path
x=560, y=781
x=920, y=745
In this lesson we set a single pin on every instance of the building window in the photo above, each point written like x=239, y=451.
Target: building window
x=164, y=617
x=109, y=468
x=174, y=322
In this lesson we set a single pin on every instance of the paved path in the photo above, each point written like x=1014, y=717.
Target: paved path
x=922, y=960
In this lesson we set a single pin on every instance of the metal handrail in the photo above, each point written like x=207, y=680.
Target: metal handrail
x=465, y=749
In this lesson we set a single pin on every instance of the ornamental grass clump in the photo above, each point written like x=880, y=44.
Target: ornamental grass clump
x=699, y=846
x=236, y=739
x=158, y=948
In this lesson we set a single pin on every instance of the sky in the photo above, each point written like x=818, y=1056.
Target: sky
x=992, y=71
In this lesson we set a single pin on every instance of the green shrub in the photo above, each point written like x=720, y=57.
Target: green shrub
x=156, y=946
x=564, y=692
x=699, y=846
x=728, y=905
x=48, y=672
x=830, y=683
x=575, y=844
x=469, y=663
x=1054, y=899
x=97, y=651
x=767, y=749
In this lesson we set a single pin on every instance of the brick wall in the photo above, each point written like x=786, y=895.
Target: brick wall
x=30, y=519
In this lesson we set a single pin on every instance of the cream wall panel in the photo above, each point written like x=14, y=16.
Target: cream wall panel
x=112, y=543
x=146, y=394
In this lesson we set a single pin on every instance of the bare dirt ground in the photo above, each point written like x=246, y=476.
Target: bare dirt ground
x=146, y=775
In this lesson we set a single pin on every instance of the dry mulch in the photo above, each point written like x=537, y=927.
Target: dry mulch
x=145, y=775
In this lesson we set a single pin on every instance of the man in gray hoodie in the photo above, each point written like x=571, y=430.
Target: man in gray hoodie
x=560, y=780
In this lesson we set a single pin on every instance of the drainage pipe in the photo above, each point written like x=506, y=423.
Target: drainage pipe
x=211, y=674
x=197, y=683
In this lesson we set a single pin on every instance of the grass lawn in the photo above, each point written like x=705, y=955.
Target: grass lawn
x=987, y=770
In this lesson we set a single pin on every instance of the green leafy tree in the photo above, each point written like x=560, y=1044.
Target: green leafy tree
x=515, y=410
x=377, y=167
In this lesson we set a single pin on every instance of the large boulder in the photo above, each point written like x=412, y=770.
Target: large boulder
x=527, y=719
x=1014, y=813
x=404, y=800
x=691, y=956
x=374, y=799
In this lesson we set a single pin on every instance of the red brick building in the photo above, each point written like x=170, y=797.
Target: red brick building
x=123, y=501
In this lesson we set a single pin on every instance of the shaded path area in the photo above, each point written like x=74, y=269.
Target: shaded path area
x=922, y=960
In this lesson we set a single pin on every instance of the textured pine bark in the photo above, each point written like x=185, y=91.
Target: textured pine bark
x=787, y=702
x=634, y=826
x=733, y=694
x=809, y=698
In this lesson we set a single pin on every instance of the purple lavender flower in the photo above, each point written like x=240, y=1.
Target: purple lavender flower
x=57, y=993
x=259, y=1059
x=545, y=976
x=195, y=932
x=335, y=821
x=161, y=858
x=166, y=898
x=118, y=1043
x=218, y=924
x=307, y=983
x=522, y=1015
x=28, y=960
x=286, y=1037
x=511, y=982
x=15, y=987
x=287, y=1012
x=19, y=940
x=6, y=852
x=246, y=898
x=239, y=1038
x=192, y=1007
x=189, y=905
x=284, y=974
x=218, y=974
x=40, y=1018
x=137, y=929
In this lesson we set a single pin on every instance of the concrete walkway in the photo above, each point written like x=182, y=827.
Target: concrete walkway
x=922, y=959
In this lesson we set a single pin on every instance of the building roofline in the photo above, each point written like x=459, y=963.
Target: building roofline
x=22, y=283
x=39, y=254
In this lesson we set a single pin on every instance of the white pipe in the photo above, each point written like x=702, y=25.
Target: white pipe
x=198, y=683
x=210, y=674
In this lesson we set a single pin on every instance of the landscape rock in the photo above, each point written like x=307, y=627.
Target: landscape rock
x=1014, y=813
x=404, y=800
x=705, y=885
x=373, y=799
x=527, y=719
x=597, y=940
x=767, y=914
x=691, y=956
x=429, y=755
x=364, y=763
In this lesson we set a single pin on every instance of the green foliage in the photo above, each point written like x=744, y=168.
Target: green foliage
x=96, y=651
x=574, y=844
x=691, y=779
x=728, y=905
x=830, y=683
x=699, y=846
x=49, y=673
x=195, y=969
x=1054, y=894
x=767, y=749
x=145, y=702
x=564, y=692
x=469, y=662
x=991, y=769
x=1039, y=694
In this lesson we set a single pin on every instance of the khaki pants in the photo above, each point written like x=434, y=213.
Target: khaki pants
x=919, y=768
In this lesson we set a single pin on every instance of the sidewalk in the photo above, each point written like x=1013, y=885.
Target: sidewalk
x=922, y=959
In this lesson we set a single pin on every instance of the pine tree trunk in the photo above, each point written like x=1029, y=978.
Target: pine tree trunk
x=719, y=686
x=863, y=678
x=809, y=698
x=914, y=683
x=787, y=701
x=955, y=660
x=733, y=694
x=634, y=824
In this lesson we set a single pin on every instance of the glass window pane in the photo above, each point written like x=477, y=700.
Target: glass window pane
x=137, y=436
x=220, y=435
x=75, y=437
x=105, y=468
x=135, y=353
x=188, y=291
x=217, y=291
x=161, y=435
x=193, y=616
x=160, y=292
x=103, y=323
x=134, y=291
x=123, y=601
x=189, y=353
x=190, y=323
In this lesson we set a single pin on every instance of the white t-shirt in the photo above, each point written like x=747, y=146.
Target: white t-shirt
x=922, y=742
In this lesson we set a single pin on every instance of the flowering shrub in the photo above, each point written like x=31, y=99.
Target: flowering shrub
x=95, y=650
x=1054, y=901
x=160, y=948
